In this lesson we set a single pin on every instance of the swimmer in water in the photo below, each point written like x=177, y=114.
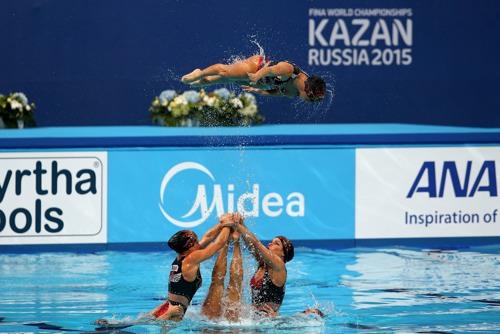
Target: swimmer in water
x=185, y=277
x=259, y=75
x=267, y=284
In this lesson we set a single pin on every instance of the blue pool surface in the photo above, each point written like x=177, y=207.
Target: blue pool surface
x=370, y=290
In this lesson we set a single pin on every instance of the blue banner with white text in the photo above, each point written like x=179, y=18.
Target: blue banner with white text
x=304, y=194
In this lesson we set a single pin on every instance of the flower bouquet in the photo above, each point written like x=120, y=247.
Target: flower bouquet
x=192, y=108
x=16, y=111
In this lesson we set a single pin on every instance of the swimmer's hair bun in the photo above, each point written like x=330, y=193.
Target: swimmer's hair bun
x=182, y=241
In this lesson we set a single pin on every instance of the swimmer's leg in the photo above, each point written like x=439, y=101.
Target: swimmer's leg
x=174, y=313
x=233, y=291
x=237, y=70
x=212, y=306
x=208, y=81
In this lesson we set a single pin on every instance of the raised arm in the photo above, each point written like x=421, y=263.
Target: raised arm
x=280, y=69
x=201, y=255
x=262, y=252
x=210, y=235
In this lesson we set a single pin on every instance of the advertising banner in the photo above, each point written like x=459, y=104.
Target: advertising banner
x=427, y=192
x=299, y=193
x=53, y=198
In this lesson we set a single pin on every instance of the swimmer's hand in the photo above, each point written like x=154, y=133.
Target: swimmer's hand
x=238, y=218
x=250, y=89
x=268, y=310
x=226, y=220
x=253, y=77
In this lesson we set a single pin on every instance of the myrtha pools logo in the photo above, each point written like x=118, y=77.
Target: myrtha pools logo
x=51, y=194
x=224, y=199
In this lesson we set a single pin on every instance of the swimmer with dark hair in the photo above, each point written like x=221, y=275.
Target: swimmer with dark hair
x=259, y=75
x=185, y=277
x=267, y=284
x=315, y=311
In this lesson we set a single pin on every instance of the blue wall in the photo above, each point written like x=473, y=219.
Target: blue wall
x=90, y=62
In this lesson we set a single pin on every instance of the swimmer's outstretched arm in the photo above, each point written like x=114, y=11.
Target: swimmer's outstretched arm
x=210, y=235
x=264, y=92
x=267, y=256
x=251, y=248
x=280, y=69
x=196, y=257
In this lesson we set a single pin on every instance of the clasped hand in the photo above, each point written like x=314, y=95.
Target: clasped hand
x=231, y=219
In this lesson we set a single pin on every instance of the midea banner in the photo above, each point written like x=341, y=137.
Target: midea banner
x=300, y=193
x=53, y=198
x=427, y=192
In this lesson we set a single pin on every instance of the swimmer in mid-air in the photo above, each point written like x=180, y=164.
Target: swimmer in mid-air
x=259, y=75
x=185, y=277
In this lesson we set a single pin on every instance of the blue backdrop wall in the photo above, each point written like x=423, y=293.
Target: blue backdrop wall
x=90, y=62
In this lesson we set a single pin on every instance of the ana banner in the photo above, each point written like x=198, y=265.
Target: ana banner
x=427, y=192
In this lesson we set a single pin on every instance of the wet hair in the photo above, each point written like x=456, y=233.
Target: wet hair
x=288, y=250
x=182, y=241
x=315, y=88
x=314, y=311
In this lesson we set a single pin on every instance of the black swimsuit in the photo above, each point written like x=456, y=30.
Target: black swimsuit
x=179, y=286
x=265, y=291
x=276, y=82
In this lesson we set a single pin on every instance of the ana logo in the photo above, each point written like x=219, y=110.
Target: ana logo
x=464, y=183
x=249, y=204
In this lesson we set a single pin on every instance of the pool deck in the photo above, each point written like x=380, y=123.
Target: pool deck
x=267, y=135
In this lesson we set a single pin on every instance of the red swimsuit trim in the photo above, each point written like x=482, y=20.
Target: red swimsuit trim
x=256, y=284
x=262, y=62
x=161, y=310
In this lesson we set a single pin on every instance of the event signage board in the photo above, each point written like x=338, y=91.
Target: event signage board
x=427, y=192
x=300, y=193
x=53, y=198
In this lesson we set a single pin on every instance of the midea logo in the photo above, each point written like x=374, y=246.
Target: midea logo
x=273, y=204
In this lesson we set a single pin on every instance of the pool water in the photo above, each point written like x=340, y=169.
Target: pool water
x=361, y=290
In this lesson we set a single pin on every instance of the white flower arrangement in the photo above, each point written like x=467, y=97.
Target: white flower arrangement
x=16, y=111
x=218, y=108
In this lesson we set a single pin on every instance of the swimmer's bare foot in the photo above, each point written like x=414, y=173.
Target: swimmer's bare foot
x=235, y=236
x=193, y=76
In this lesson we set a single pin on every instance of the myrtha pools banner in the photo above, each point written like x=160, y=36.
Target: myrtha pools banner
x=427, y=192
x=53, y=198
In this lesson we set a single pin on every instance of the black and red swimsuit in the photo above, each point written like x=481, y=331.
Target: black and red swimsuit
x=265, y=291
x=177, y=285
x=276, y=83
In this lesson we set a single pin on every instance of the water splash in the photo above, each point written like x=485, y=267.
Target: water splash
x=253, y=39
